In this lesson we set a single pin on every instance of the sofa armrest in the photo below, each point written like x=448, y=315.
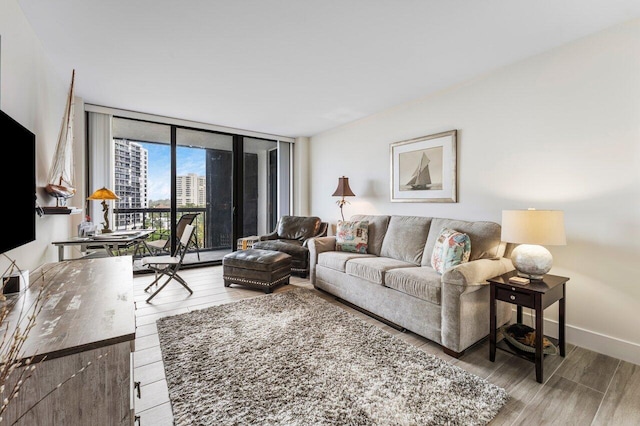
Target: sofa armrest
x=271, y=236
x=476, y=273
x=465, y=302
x=316, y=246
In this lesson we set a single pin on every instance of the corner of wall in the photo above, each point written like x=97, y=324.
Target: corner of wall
x=301, y=188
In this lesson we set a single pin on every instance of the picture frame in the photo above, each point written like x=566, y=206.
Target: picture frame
x=425, y=169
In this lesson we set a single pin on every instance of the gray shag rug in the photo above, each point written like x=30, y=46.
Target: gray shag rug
x=293, y=358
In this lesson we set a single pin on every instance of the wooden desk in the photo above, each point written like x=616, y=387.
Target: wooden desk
x=88, y=317
x=112, y=243
x=537, y=295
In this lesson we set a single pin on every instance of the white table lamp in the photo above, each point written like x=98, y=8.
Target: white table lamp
x=532, y=229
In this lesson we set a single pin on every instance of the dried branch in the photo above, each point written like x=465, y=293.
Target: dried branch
x=83, y=368
x=12, y=361
x=14, y=367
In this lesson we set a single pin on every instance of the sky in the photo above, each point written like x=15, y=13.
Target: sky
x=190, y=160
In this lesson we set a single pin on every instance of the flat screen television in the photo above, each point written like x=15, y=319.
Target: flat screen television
x=20, y=197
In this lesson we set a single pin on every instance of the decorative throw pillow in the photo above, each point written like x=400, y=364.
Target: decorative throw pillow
x=352, y=236
x=452, y=248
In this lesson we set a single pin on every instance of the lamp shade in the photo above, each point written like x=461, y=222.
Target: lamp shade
x=103, y=194
x=541, y=227
x=343, y=189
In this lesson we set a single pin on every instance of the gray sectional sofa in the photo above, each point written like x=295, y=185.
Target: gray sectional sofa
x=396, y=282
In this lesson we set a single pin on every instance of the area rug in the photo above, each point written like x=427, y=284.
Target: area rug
x=293, y=358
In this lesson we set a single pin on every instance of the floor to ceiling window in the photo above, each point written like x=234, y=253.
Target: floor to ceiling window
x=237, y=185
x=260, y=195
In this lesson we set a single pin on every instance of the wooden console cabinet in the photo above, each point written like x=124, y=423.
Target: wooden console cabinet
x=85, y=336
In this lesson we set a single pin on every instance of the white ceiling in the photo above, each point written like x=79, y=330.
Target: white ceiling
x=296, y=67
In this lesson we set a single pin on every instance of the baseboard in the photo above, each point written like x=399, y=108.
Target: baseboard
x=597, y=342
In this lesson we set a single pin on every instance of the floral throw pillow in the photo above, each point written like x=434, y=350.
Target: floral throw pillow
x=452, y=248
x=352, y=236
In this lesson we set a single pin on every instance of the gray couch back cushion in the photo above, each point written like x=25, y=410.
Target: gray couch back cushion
x=406, y=237
x=377, y=229
x=484, y=236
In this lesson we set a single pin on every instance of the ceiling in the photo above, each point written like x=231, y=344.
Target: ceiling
x=296, y=67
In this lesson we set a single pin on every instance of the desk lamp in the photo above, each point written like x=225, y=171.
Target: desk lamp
x=104, y=194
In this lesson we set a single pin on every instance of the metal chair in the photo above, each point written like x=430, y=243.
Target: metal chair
x=168, y=266
x=163, y=245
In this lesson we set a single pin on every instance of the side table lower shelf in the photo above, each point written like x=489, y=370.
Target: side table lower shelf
x=529, y=356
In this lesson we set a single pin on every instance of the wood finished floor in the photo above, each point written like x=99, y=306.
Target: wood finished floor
x=584, y=388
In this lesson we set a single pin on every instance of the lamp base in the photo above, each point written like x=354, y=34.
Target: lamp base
x=531, y=261
x=531, y=277
x=106, y=231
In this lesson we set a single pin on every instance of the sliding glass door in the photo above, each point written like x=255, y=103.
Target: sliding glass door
x=204, y=184
x=258, y=193
x=141, y=174
x=237, y=185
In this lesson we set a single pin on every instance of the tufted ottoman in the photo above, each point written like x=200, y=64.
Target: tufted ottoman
x=299, y=254
x=263, y=269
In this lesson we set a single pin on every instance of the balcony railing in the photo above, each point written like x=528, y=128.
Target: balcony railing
x=160, y=220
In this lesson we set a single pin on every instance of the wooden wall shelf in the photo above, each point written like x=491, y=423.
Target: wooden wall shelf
x=61, y=210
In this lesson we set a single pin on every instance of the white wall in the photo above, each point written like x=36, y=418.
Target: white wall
x=560, y=130
x=301, y=177
x=263, y=192
x=34, y=95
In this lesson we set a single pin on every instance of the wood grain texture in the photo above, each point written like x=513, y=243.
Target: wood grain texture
x=561, y=402
x=519, y=379
x=589, y=368
x=99, y=393
x=89, y=305
x=621, y=404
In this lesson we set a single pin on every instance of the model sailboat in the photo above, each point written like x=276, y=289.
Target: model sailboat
x=61, y=175
x=421, y=178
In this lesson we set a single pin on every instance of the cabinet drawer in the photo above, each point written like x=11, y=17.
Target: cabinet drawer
x=516, y=297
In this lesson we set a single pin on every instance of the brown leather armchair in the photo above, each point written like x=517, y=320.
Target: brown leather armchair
x=290, y=236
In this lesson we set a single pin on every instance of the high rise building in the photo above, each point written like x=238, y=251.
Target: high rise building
x=191, y=190
x=131, y=181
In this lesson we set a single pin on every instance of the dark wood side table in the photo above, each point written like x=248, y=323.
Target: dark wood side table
x=537, y=295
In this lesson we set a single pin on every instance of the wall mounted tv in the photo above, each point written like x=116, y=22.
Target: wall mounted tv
x=21, y=201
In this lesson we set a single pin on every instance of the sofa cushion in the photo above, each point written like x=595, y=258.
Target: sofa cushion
x=352, y=236
x=405, y=238
x=298, y=227
x=452, y=248
x=484, y=236
x=337, y=260
x=377, y=229
x=373, y=268
x=420, y=281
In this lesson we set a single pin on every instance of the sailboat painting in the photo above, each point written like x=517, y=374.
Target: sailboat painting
x=424, y=169
x=60, y=182
x=421, y=178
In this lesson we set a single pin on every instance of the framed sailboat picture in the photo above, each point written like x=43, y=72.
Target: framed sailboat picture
x=424, y=169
